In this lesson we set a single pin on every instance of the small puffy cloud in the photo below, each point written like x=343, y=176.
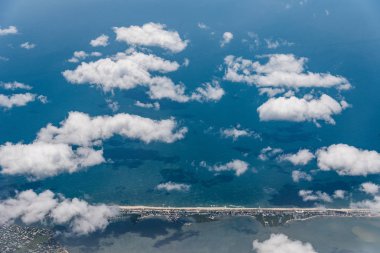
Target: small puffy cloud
x=170, y=186
x=81, y=217
x=100, y=41
x=302, y=157
x=280, y=243
x=273, y=44
x=81, y=55
x=154, y=105
x=235, y=133
x=113, y=105
x=7, y=31
x=15, y=85
x=373, y=204
x=83, y=130
x=339, y=194
x=208, y=92
x=16, y=100
x=227, y=37
x=308, y=195
x=28, y=45
x=301, y=109
x=281, y=70
x=269, y=152
x=297, y=176
x=39, y=160
x=238, y=166
x=151, y=34
x=186, y=62
x=370, y=188
x=271, y=92
x=348, y=160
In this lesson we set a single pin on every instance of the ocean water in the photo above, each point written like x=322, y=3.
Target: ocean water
x=345, y=42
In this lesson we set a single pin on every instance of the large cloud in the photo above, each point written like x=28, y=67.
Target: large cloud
x=69, y=148
x=301, y=109
x=129, y=70
x=280, y=243
x=125, y=71
x=10, y=30
x=31, y=207
x=81, y=129
x=348, y=160
x=151, y=34
x=40, y=160
x=281, y=70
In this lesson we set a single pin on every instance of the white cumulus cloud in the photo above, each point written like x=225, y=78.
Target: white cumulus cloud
x=81, y=217
x=7, y=31
x=100, y=41
x=15, y=85
x=83, y=130
x=154, y=105
x=128, y=70
x=237, y=166
x=370, y=188
x=372, y=204
x=280, y=243
x=208, y=92
x=339, y=194
x=308, y=195
x=227, y=37
x=348, y=160
x=281, y=70
x=39, y=160
x=301, y=109
x=170, y=186
x=302, y=157
x=69, y=147
x=28, y=45
x=16, y=100
x=151, y=34
x=235, y=133
x=300, y=175
x=269, y=152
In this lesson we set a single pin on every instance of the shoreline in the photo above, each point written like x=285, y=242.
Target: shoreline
x=225, y=208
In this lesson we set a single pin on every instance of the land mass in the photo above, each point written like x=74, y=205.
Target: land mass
x=266, y=216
